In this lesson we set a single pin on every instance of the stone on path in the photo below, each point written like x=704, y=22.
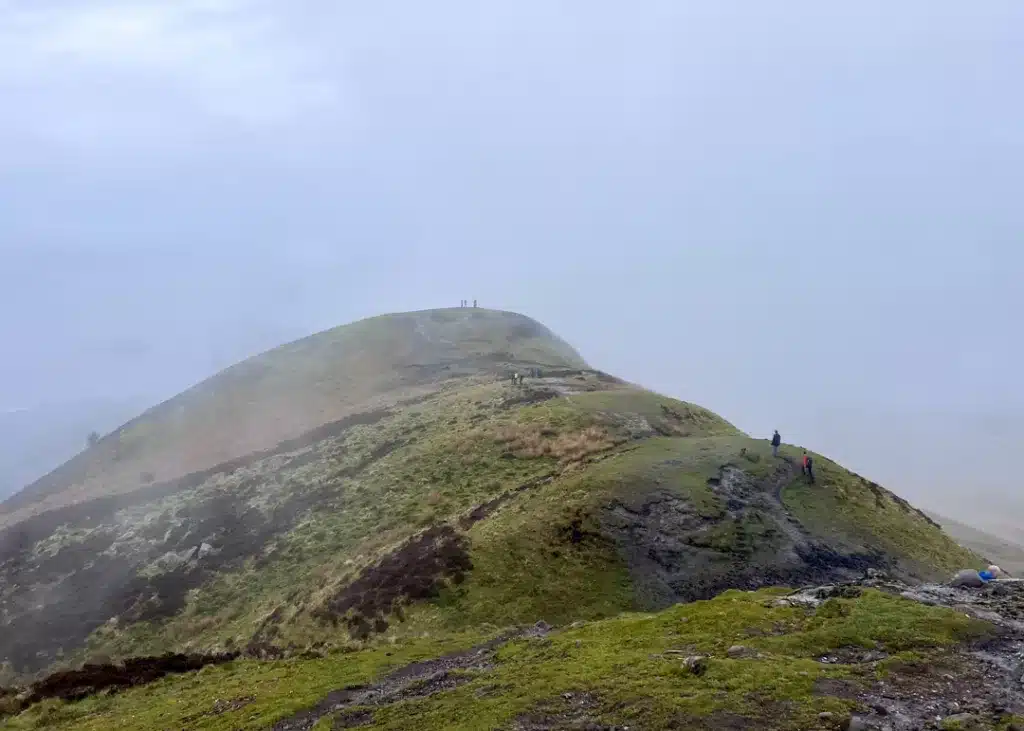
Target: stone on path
x=969, y=578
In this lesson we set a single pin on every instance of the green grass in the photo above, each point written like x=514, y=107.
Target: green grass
x=294, y=388
x=844, y=506
x=454, y=463
x=674, y=416
x=624, y=663
x=280, y=688
x=544, y=554
x=467, y=441
x=526, y=568
x=454, y=455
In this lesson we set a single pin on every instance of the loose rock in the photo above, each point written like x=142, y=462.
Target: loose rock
x=967, y=577
x=696, y=664
x=962, y=721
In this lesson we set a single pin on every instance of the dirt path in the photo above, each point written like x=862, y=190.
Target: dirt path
x=354, y=706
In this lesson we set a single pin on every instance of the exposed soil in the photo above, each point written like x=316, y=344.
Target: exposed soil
x=354, y=704
x=73, y=685
x=676, y=552
x=484, y=510
x=572, y=710
x=418, y=569
x=220, y=707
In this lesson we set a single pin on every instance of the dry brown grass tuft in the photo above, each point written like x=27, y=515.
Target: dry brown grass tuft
x=528, y=441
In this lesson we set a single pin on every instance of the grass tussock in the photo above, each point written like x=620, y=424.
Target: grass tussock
x=532, y=441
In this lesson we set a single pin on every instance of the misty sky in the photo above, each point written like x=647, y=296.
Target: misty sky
x=802, y=214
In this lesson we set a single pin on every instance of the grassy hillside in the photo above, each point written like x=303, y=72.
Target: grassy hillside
x=457, y=506
x=1007, y=555
x=33, y=441
x=756, y=665
x=288, y=391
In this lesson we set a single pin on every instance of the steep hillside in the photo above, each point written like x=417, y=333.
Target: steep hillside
x=1007, y=555
x=34, y=441
x=288, y=391
x=436, y=500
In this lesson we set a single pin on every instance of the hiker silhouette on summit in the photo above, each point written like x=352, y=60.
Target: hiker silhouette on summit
x=776, y=441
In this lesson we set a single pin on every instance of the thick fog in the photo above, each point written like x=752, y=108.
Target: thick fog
x=803, y=215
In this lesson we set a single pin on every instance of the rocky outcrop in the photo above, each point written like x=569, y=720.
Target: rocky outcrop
x=978, y=686
x=678, y=550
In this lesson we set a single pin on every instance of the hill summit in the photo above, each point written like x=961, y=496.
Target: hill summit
x=388, y=481
x=288, y=391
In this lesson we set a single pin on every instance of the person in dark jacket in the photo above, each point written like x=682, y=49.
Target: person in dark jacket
x=776, y=441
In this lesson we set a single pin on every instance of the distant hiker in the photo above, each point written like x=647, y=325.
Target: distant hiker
x=776, y=441
x=808, y=467
x=474, y=303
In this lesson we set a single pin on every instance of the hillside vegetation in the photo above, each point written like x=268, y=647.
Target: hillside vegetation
x=292, y=389
x=410, y=501
x=1008, y=555
x=741, y=660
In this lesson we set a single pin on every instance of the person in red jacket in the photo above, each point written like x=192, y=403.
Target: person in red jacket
x=808, y=467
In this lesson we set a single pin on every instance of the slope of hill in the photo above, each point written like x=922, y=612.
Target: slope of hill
x=429, y=497
x=288, y=391
x=35, y=440
x=1007, y=555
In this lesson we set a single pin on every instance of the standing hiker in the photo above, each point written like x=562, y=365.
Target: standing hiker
x=776, y=441
x=474, y=303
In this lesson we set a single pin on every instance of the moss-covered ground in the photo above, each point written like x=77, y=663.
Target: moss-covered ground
x=630, y=669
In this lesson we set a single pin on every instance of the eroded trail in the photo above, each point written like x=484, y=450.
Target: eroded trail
x=679, y=549
x=354, y=706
